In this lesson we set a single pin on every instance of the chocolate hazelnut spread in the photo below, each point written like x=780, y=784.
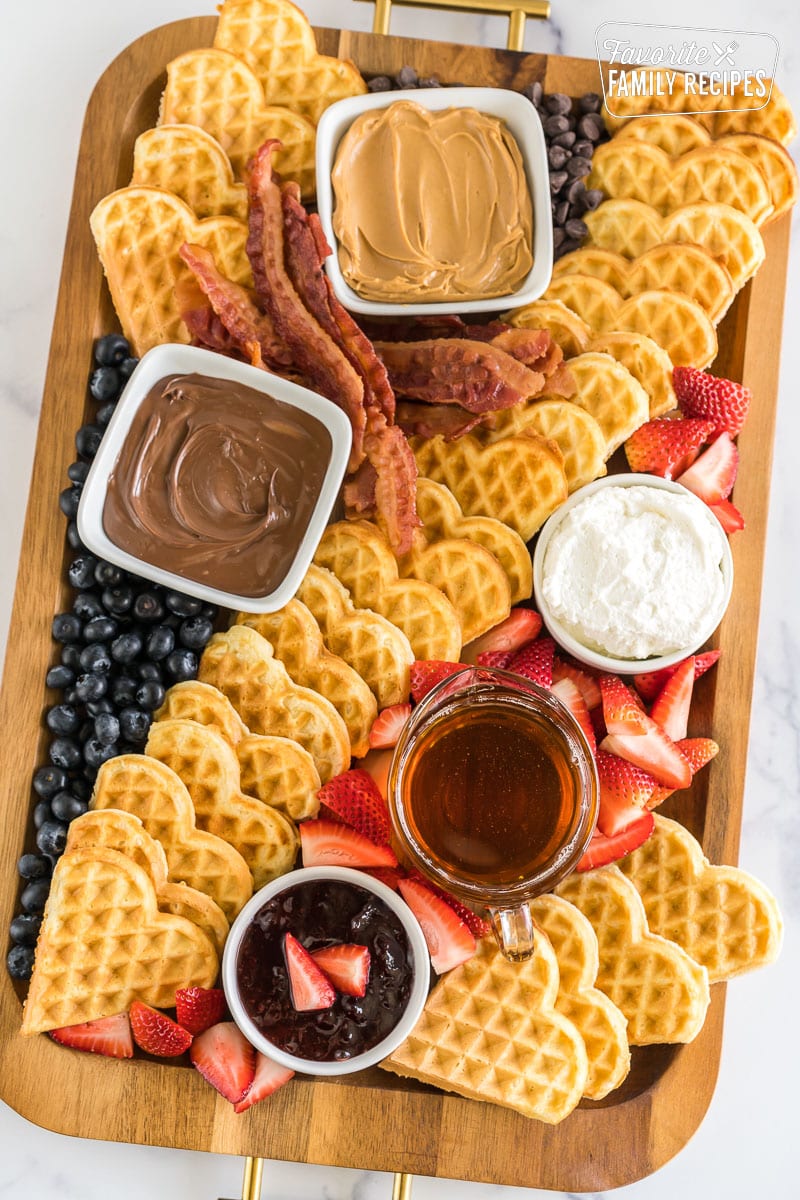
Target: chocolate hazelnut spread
x=216, y=482
x=431, y=205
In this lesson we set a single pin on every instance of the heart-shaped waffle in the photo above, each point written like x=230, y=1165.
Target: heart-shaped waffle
x=276, y=41
x=574, y=430
x=674, y=134
x=152, y=792
x=139, y=231
x=188, y=162
x=491, y=1031
x=242, y=664
x=611, y=395
x=374, y=647
x=564, y=326
x=468, y=574
x=647, y=362
x=279, y=772
x=721, y=916
x=774, y=162
x=297, y=641
x=661, y=991
x=104, y=943
x=773, y=120
x=599, y=1022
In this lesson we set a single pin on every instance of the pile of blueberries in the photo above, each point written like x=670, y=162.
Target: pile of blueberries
x=122, y=644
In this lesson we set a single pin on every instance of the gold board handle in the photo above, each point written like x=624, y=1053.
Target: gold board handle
x=253, y=1170
x=516, y=10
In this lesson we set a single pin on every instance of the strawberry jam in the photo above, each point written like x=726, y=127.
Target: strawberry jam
x=323, y=913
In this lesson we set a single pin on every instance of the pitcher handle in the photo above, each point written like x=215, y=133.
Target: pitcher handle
x=513, y=928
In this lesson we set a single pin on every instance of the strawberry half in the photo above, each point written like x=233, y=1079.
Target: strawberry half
x=535, y=662
x=728, y=516
x=426, y=673
x=624, y=792
x=156, y=1033
x=449, y=940
x=697, y=752
x=376, y=763
x=712, y=475
x=650, y=683
x=622, y=710
x=569, y=695
x=328, y=844
x=654, y=752
x=197, y=1008
x=310, y=989
x=667, y=446
x=110, y=1036
x=478, y=926
x=354, y=797
x=603, y=850
x=388, y=725
x=586, y=684
x=347, y=967
x=267, y=1079
x=521, y=627
x=495, y=659
x=721, y=401
x=225, y=1059
x=391, y=876
x=671, y=706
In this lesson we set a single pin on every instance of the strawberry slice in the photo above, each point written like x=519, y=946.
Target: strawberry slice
x=110, y=1036
x=197, y=1008
x=495, y=658
x=698, y=752
x=653, y=751
x=671, y=706
x=623, y=712
x=376, y=763
x=603, y=850
x=667, y=446
x=721, y=401
x=569, y=695
x=477, y=925
x=728, y=516
x=347, y=967
x=328, y=844
x=535, y=662
x=586, y=684
x=310, y=989
x=156, y=1033
x=267, y=1079
x=521, y=627
x=354, y=797
x=388, y=725
x=391, y=876
x=650, y=683
x=426, y=673
x=449, y=940
x=225, y=1059
x=624, y=793
x=712, y=475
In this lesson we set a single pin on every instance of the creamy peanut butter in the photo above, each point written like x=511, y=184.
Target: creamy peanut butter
x=431, y=205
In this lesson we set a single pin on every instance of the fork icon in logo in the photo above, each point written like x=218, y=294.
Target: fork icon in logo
x=726, y=54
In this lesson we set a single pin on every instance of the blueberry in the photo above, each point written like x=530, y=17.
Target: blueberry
x=52, y=838
x=88, y=605
x=195, y=632
x=41, y=813
x=134, y=724
x=59, y=677
x=71, y=657
x=65, y=752
x=104, y=384
x=74, y=538
x=20, y=962
x=111, y=349
x=182, y=664
x=95, y=752
x=148, y=671
x=95, y=707
x=88, y=439
x=91, y=686
x=49, y=780
x=118, y=600
x=66, y=628
x=71, y=696
x=105, y=414
x=100, y=629
x=183, y=606
x=106, y=730
x=34, y=866
x=69, y=500
x=95, y=658
x=62, y=719
x=34, y=896
x=81, y=789
x=209, y=611
x=67, y=807
x=151, y=695
x=125, y=648
x=127, y=367
x=108, y=575
x=160, y=642
x=148, y=607
x=81, y=571
x=78, y=472
x=123, y=690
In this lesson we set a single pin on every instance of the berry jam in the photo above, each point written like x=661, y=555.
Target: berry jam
x=320, y=914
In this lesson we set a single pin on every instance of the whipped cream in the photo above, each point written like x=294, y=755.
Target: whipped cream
x=635, y=571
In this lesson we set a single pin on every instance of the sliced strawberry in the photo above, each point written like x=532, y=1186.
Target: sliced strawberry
x=110, y=1036
x=328, y=844
x=426, y=673
x=495, y=659
x=535, y=661
x=449, y=940
x=311, y=990
x=653, y=751
x=156, y=1033
x=569, y=695
x=728, y=516
x=225, y=1059
x=347, y=967
x=476, y=924
x=197, y=1009
x=712, y=475
x=671, y=706
x=667, y=446
x=721, y=401
x=623, y=711
x=586, y=684
x=376, y=763
x=521, y=627
x=391, y=876
x=698, y=752
x=354, y=797
x=650, y=683
x=603, y=850
x=267, y=1079
x=624, y=793
x=388, y=725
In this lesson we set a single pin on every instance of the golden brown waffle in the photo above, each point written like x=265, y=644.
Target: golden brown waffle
x=103, y=944
x=576, y=433
x=611, y=395
x=661, y=991
x=196, y=701
x=722, y=917
x=564, y=326
x=374, y=647
x=490, y=1030
x=360, y=557
x=241, y=663
x=599, y=1022
x=517, y=480
x=208, y=766
x=775, y=164
x=647, y=362
x=279, y=772
x=296, y=639
x=775, y=120
x=188, y=162
x=469, y=575
x=113, y=829
x=276, y=41
x=441, y=517
x=216, y=91
x=139, y=231
x=674, y=134
x=152, y=792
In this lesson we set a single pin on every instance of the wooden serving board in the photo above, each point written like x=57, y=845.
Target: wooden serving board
x=373, y=1120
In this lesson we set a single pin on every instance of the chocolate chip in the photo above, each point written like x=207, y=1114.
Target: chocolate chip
x=569, y=245
x=583, y=149
x=590, y=102
x=578, y=167
x=560, y=212
x=558, y=104
x=576, y=191
x=407, y=77
x=533, y=92
x=567, y=140
x=381, y=83
x=591, y=126
x=430, y=81
x=555, y=125
x=575, y=228
x=592, y=198
x=558, y=237
x=556, y=157
x=557, y=181
x=576, y=210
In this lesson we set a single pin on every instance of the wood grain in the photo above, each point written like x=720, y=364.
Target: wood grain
x=371, y=1121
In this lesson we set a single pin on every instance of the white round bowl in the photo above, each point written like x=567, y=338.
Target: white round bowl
x=420, y=960
x=594, y=658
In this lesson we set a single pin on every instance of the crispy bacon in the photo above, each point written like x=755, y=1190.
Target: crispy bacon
x=476, y=375
x=395, y=482
x=359, y=491
x=204, y=325
x=561, y=382
x=430, y=420
x=413, y=329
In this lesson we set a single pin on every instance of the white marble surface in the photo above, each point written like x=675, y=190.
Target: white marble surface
x=50, y=55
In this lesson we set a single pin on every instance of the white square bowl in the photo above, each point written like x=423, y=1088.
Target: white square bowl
x=186, y=360
x=522, y=120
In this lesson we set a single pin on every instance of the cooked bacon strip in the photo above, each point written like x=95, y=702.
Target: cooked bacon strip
x=561, y=382
x=204, y=325
x=430, y=420
x=395, y=483
x=314, y=352
x=475, y=375
x=537, y=350
x=359, y=491
x=413, y=329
